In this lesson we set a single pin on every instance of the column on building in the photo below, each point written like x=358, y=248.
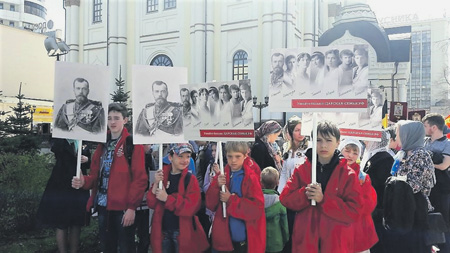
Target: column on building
x=73, y=29
x=198, y=42
x=112, y=40
x=209, y=27
x=308, y=23
x=261, y=89
x=278, y=41
x=122, y=39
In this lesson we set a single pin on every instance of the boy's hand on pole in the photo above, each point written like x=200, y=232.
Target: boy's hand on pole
x=225, y=196
x=77, y=183
x=314, y=191
x=161, y=194
x=216, y=168
x=221, y=179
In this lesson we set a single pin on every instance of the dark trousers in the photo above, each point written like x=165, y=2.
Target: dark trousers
x=113, y=234
x=240, y=247
x=170, y=241
x=142, y=227
x=291, y=218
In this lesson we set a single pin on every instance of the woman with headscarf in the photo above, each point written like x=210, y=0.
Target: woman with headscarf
x=263, y=151
x=417, y=167
x=377, y=163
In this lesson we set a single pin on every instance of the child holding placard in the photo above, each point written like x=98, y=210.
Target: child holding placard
x=244, y=227
x=325, y=227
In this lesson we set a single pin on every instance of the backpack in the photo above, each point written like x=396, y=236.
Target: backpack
x=399, y=205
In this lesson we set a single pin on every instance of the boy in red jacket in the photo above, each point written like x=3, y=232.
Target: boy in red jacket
x=365, y=234
x=244, y=228
x=175, y=228
x=117, y=187
x=325, y=227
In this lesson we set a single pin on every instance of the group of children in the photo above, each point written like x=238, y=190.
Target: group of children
x=254, y=218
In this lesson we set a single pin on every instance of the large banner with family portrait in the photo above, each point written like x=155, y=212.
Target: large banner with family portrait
x=319, y=79
x=157, y=104
x=80, y=101
x=365, y=125
x=218, y=111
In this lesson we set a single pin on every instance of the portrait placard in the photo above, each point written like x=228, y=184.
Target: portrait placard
x=218, y=111
x=363, y=126
x=319, y=79
x=81, y=103
x=157, y=107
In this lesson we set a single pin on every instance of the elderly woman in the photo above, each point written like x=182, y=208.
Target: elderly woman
x=263, y=151
x=416, y=165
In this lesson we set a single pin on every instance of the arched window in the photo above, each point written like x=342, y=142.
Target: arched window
x=161, y=60
x=240, y=65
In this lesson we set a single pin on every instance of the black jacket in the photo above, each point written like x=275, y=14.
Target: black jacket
x=261, y=155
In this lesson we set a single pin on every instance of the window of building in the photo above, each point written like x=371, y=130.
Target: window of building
x=240, y=65
x=12, y=7
x=161, y=60
x=152, y=5
x=97, y=11
x=170, y=4
x=35, y=9
x=11, y=23
x=1, y=6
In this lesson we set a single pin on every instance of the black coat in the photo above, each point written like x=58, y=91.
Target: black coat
x=378, y=167
x=261, y=155
x=61, y=205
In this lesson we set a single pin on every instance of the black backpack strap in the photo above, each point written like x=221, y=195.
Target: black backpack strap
x=129, y=148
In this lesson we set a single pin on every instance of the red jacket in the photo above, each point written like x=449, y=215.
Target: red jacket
x=249, y=208
x=329, y=223
x=125, y=191
x=184, y=203
x=365, y=234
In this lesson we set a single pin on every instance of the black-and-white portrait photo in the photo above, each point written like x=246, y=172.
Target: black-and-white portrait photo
x=277, y=73
x=311, y=77
x=159, y=103
x=224, y=109
x=161, y=114
x=360, y=70
x=81, y=112
x=80, y=101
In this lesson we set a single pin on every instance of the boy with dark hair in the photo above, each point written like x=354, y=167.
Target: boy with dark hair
x=117, y=185
x=244, y=228
x=325, y=227
x=277, y=231
x=175, y=228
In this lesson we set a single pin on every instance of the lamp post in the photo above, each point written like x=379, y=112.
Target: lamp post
x=260, y=106
x=55, y=48
x=32, y=111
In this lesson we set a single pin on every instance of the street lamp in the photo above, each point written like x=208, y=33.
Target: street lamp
x=32, y=111
x=260, y=106
x=55, y=48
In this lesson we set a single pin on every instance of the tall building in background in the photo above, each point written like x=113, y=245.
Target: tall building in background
x=22, y=13
x=427, y=88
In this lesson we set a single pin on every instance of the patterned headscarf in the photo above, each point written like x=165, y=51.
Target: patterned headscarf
x=269, y=127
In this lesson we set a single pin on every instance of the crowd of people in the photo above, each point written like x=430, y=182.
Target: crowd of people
x=262, y=200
